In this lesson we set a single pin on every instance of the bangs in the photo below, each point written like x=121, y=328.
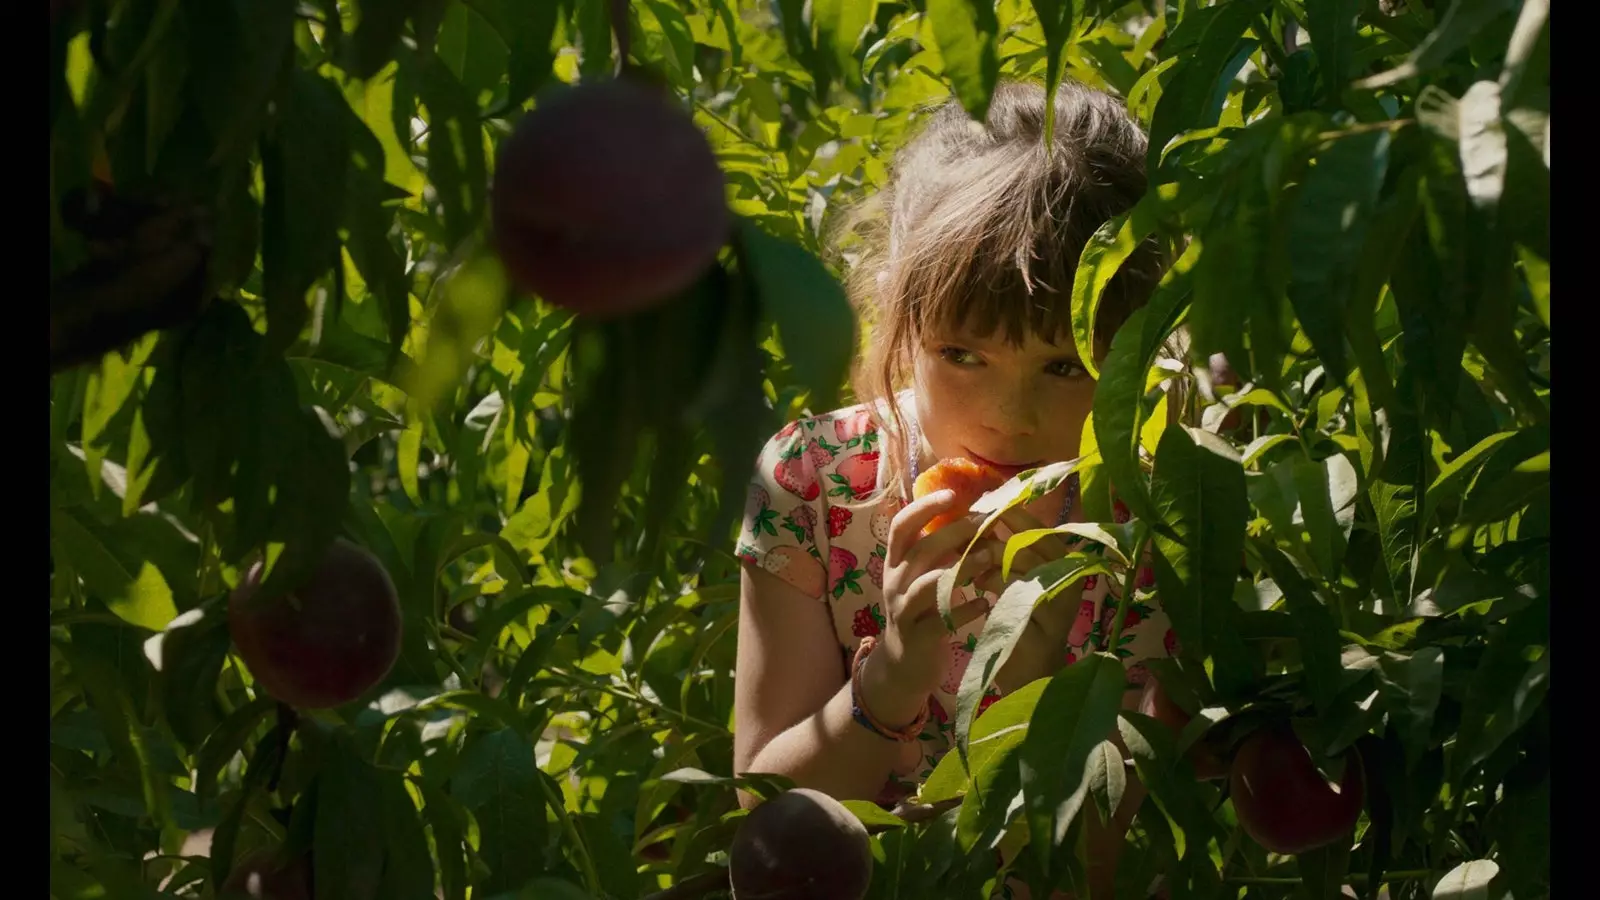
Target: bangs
x=997, y=256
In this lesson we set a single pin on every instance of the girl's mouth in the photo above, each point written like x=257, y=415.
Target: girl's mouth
x=1010, y=470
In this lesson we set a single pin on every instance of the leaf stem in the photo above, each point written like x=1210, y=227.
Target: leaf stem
x=558, y=802
x=638, y=698
x=694, y=886
x=1128, y=584
x=1351, y=878
x=1269, y=43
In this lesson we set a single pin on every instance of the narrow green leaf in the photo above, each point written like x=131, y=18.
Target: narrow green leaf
x=189, y=655
x=1327, y=228
x=838, y=25
x=141, y=597
x=1469, y=881
x=1076, y=713
x=1412, y=685
x=1187, y=99
x=1004, y=625
x=1117, y=399
x=1483, y=144
x=965, y=32
x=1103, y=255
x=813, y=316
x=377, y=34
x=1460, y=22
x=408, y=865
x=1199, y=490
x=1327, y=494
x=304, y=169
x=349, y=826
x=1332, y=27
x=457, y=164
x=497, y=780
x=1314, y=627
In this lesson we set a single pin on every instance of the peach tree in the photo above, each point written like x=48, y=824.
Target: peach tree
x=400, y=424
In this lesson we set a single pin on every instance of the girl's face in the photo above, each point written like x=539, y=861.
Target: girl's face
x=1013, y=407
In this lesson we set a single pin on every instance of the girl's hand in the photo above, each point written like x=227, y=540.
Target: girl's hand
x=910, y=661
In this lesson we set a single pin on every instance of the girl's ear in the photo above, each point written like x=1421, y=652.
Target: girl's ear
x=883, y=279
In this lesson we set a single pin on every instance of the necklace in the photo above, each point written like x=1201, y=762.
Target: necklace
x=916, y=441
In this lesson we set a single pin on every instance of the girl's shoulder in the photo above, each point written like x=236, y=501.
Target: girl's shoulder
x=833, y=456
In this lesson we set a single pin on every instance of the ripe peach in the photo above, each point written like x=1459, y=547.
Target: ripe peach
x=607, y=199
x=328, y=641
x=970, y=480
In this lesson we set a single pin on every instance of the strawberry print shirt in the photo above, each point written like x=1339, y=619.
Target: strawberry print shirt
x=818, y=515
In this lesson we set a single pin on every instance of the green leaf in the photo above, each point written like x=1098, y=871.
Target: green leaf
x=1187, y=102
x=471, y=49
x=1322, y=870
x=874, y=816
x=1332, y=27
x=238, y=53
x=369, y=222
x=1396, y=490
x=349, y=826
x=965, y=32
x=457, y=164
x=1456, y=27
x=1327, y=495
x=1314, y=627
x=812, y=314
x=1107, y=776
x=227, y=740
x=1412, y=685
x=189, y=655
x=1076, y=713
x=1454, y=476
x=498, y=781
x=377, y=33
x=1102, y=256
x=1002, y=726
x=138, y=596
x=1170, y=780
x=1118, y=410
x=1200, y=492
x=1327, y=228
x=304, y=165
x=447, y=825
x=1004, y=625
x=1468, y=881
x=1483, y=144
x=838, y=25
x=408, y=865
x=473, y=299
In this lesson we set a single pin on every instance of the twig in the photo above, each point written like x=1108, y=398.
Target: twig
x=694, y=886
x=1351, y=878
x=913, y=814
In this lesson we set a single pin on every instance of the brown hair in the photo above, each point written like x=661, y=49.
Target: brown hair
x=981, y=226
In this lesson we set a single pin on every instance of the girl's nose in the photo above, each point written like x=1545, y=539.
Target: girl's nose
x=1014, y=413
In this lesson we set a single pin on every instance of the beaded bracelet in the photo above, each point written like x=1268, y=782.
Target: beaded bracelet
x=858, y=710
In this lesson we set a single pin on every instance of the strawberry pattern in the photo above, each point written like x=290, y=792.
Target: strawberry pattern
x=817, y=517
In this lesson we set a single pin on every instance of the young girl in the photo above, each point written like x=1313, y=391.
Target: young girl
x=971, y=355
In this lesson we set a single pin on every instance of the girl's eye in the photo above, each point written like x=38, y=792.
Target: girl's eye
x=1065, y=368
x=958, y=356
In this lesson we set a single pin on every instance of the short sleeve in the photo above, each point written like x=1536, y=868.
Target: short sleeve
x=780, y=532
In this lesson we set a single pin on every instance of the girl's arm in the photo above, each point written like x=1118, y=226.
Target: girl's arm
x=792, y=698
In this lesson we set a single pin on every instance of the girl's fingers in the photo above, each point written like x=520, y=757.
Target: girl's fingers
x=921, y=599
x=906, y=527
x=942, y=549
